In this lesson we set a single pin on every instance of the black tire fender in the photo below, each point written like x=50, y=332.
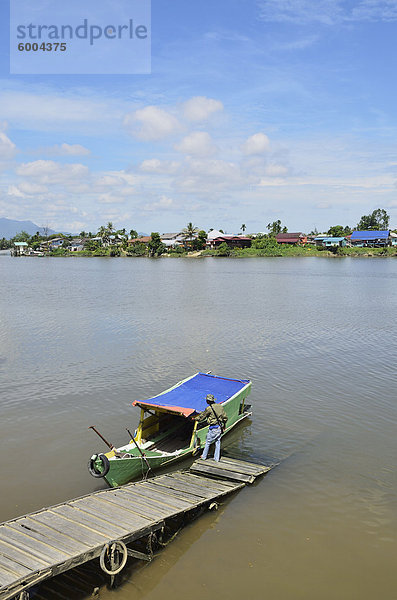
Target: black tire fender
x=93, y=469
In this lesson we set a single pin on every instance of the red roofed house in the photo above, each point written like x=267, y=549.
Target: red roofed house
x=291, y=238
x=233, y=241
x=144, y=239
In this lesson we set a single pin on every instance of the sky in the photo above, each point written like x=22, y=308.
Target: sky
x=254, y=110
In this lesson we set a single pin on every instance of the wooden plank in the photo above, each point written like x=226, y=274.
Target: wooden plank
x=159, y=502
x=136, y=509
x=216, y=472
x=23, y=557
x=14, y=588
x=203, y=468
x=74, y=530
x=17, y=571
x=245, y=464
x=45, y=534
x=256, y=471
x=235, y=467
x=156, y=493
x=93, y=522
x=223, y=484
x=180, y=486
x=215, y=486
x=113, y=513
x=6, y=577
x=144, y=505
x=36, y=548
x=189, y=499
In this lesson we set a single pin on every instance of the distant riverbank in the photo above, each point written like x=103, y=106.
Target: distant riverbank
x=290, y=251
x=273, y=252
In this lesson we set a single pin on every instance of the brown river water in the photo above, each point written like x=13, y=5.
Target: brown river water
x=81, y=338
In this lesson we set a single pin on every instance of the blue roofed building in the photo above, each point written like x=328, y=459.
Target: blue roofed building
x=370, y=238
x=330, y=242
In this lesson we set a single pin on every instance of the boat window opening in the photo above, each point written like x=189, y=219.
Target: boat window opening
x=166, y=432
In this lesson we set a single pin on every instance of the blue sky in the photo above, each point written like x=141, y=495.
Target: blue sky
x=254, y=111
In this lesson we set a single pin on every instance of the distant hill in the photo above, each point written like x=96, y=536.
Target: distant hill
x=9, y=228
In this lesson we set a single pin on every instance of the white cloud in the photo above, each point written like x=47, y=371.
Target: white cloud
x=115, y=179
x=205, y=176
x=199, y=108
x=155, y=165
x=67, y=150
x=52, y=111
x=256, y=144
x=197, y=143
x=151, y=123
x=26, y=188
x=110, y=198
x=274, y=170
x=7, y=147
x=50, y=172
x=375, y=10
x=164, y=203
x=327, y=12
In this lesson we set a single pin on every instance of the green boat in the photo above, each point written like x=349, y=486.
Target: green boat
x=167, y=431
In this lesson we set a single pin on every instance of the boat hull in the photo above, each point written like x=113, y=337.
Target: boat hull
x=124, y=470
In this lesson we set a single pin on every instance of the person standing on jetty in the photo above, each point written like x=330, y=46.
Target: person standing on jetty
x=216, y=417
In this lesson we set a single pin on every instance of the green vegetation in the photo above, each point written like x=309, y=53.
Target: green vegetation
x=339, y=231
x=276, y=227
x=155, y=245
x=300, y=251
x=378, y=219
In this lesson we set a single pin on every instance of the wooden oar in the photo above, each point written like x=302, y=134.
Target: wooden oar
x=108, y=444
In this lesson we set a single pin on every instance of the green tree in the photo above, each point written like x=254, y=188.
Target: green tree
x=336, y=231
x=92, y=245
x=137, y=249
x=133, y=234
x=243, y=227
x=276, y=227
x=103, y=233
x=22, y=236
x=155, y=246
x=223, y=250
x=378, y=219
x=189, y=232
x=264, y=242
x=201, y=240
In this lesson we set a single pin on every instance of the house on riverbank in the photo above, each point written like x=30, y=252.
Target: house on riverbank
x=371, y=238
x=20, y=249
x=233, y=241
x=331, y=242
x=291, y=238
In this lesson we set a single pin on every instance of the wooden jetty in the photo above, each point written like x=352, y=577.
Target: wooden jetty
x=43, y=544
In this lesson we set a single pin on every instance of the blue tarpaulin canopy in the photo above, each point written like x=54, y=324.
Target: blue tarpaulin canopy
x=189, y=396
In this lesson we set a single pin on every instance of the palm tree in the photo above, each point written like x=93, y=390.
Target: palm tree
x=243, y=227
x=189, y=232
x=103, y=233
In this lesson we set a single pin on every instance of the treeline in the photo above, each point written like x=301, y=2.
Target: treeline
x=377, y=220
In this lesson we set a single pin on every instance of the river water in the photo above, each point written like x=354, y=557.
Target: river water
x=81, y=338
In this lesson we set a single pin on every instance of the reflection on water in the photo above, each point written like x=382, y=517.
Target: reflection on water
x=80, y=339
